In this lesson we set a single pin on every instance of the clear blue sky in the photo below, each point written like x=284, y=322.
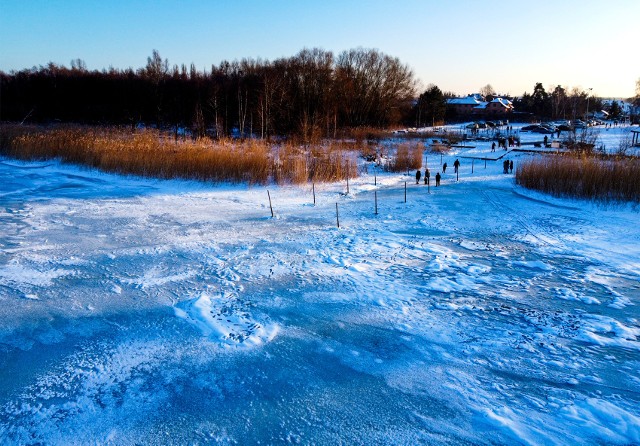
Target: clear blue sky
x=458, y=45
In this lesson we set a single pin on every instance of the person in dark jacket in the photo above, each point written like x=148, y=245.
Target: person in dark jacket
x=438, y=179
x=456, y=164
x=427, y=175
x=511, y=166
x=444, y=168
x=418, y=174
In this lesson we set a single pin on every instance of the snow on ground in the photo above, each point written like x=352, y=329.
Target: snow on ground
x=168, y=312
x=613, y=139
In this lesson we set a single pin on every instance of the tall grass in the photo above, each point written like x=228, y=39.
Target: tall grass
x=151, y=153
x=408, y=156
x=596, y=178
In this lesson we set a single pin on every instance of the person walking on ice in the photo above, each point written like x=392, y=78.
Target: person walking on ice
x=427, y=175
x=418, y=173
x=444, y=168
x=437, y=179
x=456, y=164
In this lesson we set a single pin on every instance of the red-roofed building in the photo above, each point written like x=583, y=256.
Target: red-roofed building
x=474, y=105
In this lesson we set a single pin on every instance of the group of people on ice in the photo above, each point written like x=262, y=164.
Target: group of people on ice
x=427, y=177
x=507, y=167
x=427, y=173
x=502, y=143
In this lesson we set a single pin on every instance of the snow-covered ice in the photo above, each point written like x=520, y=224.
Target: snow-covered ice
x=171, y=312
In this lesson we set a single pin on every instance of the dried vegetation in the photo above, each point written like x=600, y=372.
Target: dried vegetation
x=151, y=153
x=601, y=178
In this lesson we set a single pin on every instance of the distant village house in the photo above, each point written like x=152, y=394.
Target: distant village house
x=475, y=105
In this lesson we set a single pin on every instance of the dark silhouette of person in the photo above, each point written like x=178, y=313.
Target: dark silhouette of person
x=511, y=166
x=418, y=174
x=437, y=179
x=456, y=164
x=444, y=168
x=427, y=175
x=493, y=146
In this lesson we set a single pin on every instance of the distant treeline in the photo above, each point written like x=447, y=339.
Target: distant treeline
x=560, y=103
x=312, y=94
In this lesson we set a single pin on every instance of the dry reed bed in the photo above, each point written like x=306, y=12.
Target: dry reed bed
x=408, y=156
x=597, y=178
x=151, y=153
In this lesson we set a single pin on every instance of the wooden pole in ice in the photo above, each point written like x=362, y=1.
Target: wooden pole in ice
x=375, y=194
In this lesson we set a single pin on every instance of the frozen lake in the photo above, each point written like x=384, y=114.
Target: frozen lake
x=164, y=312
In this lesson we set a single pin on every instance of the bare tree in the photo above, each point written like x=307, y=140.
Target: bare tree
x=156, y=69
x=487, y=90
x=314, y=68
x=577, y=102
x=78, y=65
x=374, y=87
x=558, y=103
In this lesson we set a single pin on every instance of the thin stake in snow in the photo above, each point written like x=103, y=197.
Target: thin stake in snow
x=337, y=216
x=270, y=207
x=472, y=165
x=375, y=195
x=348, y=177
x=405, y=191
x=313, y=185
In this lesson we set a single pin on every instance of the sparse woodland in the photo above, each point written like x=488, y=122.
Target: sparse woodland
x=311, y=95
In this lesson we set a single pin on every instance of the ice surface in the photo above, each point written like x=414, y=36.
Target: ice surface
x=169, y=312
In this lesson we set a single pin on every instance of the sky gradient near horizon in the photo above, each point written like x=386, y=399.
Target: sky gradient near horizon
x=458, y=45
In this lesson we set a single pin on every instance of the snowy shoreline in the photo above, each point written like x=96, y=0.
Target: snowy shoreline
x=167, y=312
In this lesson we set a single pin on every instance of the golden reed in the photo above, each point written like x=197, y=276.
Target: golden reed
x=600, y=178
x=151, y=153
